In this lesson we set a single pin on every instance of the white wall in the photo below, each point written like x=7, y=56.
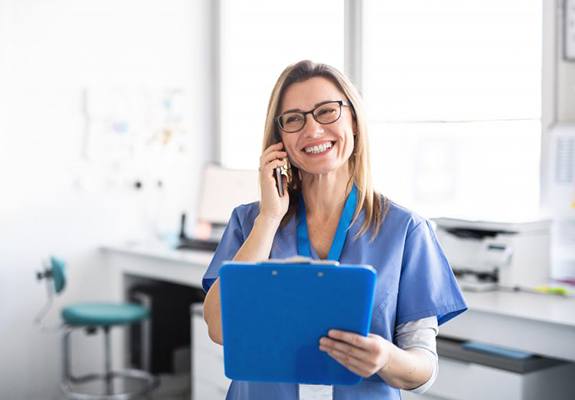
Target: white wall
x=565, y=74
x=566, y=91
x=53, y=201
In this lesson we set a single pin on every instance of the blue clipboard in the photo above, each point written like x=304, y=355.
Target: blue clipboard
x=274, y=313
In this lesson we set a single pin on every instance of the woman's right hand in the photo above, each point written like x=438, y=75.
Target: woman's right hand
x=272, y=205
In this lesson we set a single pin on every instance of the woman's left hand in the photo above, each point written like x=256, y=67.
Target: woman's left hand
x=362, y=355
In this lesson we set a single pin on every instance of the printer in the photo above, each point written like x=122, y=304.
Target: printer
x=487, y=255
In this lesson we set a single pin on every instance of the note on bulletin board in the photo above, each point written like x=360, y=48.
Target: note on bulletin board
x=120, y=122
x=130, y=133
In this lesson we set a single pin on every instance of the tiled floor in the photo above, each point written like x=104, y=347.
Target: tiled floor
x=173, y=387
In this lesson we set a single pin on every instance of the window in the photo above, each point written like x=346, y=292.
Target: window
x=257, y=43
x=453, y=96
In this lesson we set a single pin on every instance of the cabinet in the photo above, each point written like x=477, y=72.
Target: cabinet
x=472, y=375
x=208, y=379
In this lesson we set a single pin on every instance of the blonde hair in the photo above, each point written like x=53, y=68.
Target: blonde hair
x=375, y=205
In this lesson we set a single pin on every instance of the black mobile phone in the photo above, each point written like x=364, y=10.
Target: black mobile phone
x=278, y=176
x=282, y=171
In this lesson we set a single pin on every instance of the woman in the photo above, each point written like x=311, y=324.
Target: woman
x=330, y=210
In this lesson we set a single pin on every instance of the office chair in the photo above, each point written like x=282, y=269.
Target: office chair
x=91, y=317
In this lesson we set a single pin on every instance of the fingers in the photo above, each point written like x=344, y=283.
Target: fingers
x=272, y=156
x=353, y=351
x=268, y=168
x=274, y=147
x=352, y=338
x=272, y=203
x=354, y=365
x=272, y=152
x=362, y=355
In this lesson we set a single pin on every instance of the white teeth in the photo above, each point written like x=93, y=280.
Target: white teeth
x=318, y=149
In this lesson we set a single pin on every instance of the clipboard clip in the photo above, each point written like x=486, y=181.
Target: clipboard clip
x=299, y=260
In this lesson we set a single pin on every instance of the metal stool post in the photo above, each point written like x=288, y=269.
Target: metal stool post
x=108, y=361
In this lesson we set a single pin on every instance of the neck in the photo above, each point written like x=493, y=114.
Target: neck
x=325, y=194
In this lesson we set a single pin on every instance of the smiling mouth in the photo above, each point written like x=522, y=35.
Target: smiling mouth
x=319, y=149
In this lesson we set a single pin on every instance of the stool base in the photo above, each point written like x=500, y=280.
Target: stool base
x=143, y=380
x=146, y=381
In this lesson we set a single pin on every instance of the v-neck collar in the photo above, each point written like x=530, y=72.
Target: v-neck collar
x=304, y=247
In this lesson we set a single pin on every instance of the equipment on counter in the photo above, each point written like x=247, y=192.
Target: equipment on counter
x=486, y=255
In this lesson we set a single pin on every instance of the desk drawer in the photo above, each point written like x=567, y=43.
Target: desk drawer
x=458, y=380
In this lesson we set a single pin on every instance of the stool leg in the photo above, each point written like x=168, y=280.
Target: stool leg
x=66, y=356
x=108, y=361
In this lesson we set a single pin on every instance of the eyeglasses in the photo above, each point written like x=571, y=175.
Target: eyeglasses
x=325, y=113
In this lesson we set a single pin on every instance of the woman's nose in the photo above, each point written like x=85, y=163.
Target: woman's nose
x=312, y=127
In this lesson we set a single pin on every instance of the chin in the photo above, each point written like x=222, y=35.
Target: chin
x=320, y=169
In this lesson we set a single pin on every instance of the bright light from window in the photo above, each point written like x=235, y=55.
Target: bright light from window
x=453, y=90
x=258, y=42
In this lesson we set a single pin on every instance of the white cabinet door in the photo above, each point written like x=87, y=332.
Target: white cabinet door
x=208, y=379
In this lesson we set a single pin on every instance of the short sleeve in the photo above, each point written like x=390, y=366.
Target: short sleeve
x=427, y=285
x=231, y=241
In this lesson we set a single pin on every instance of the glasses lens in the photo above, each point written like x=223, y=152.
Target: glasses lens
x=292, y=122
x=327, y=113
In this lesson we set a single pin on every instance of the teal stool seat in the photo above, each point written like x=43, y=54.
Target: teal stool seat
x=103, y=314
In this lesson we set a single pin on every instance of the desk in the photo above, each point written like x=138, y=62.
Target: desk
x=157, y=261
x=128, y=262
x=529, y=322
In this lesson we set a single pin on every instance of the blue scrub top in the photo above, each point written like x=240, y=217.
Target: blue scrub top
x=414, y=281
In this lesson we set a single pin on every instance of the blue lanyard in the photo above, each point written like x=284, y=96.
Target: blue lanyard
x=303, y=243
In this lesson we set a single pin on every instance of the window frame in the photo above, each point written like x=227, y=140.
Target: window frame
x=354, y=65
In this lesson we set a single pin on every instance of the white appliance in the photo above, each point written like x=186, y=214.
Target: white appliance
x=485, y=255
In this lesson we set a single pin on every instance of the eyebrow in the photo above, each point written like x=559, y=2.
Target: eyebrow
x=316, y=105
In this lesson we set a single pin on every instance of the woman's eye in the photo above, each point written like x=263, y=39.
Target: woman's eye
x=293, y=118
x=327, y=110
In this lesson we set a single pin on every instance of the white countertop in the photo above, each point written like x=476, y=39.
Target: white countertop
x=539, y=307
x=160, y=251
x=533, y=306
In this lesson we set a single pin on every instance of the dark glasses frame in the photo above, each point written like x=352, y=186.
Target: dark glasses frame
x=341, y=103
